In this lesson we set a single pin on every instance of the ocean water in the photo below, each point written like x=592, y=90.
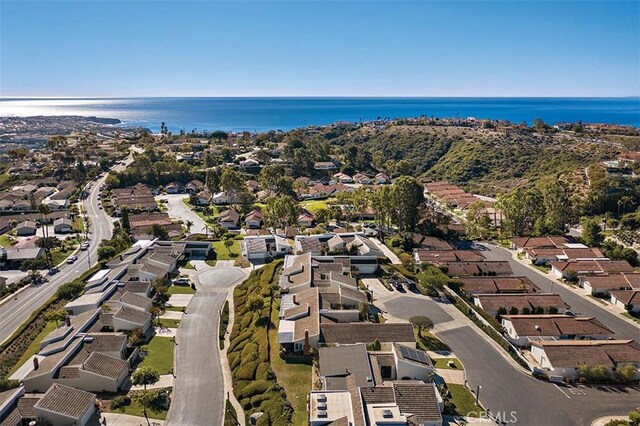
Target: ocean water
x=260, y=114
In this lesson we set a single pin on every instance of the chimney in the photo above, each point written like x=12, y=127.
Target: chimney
x=68, y=320
x=306, y=348
x=294, y=299
x=36, y=364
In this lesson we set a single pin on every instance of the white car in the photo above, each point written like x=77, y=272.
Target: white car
x=72, y=259
x=182, y=281
x=100, y=206
x=84, y=246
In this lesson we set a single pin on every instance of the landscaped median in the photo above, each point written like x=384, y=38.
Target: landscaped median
x=255, y=383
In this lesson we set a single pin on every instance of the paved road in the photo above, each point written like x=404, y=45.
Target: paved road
x=198, y=398
x=15, y=312
x=504, y=388
x=578, y=303
x=179, y=210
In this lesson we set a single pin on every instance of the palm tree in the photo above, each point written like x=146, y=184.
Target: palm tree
x=44, y=212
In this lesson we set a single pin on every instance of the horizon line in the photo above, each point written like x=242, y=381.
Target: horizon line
x=319, y=97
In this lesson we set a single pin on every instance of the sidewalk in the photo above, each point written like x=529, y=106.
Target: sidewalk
x=166, y=381
x=226, y=370
x=387, y=252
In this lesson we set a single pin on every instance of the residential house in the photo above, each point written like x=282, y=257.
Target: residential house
x=627, y=299
x=575, y=252
x=497, y=285
x=336, y=364
x=254, y=219
x=228, y=219
x=342, y=178
x=424, y=242
x=526, y=303
x=438, y=256
x=138, y=197
x=554, y=241
x=252, y=185
x=62, y=226
x=522, y=330
x=306, y=219
x=204, y=198
x=299, y=327
x=12, y=257
x=174, y=188
x=332, y=408
x=602, y=285
x=590, y=267
x=363, y=332
x=26, y=228
x=564, y=358
x=484, y=268
x=261, y=248
x=63, y=405
x=249, y=164
x=193, y=187
x=362, y=179
x=382, y=178
x=403, y=403
x=324, y=165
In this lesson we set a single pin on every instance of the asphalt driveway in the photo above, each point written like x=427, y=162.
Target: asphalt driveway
x=198, y=397
x=406, y=307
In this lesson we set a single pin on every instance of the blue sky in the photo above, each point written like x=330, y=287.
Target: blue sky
x=316, y=48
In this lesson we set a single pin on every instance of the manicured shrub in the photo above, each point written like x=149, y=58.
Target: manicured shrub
x=246, y=371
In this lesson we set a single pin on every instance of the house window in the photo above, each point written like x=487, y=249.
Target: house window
x=297, y=347
x=385, y=371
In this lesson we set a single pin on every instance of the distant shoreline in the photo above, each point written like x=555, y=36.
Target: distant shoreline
x=286, y=113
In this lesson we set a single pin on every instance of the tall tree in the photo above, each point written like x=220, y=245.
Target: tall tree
x=407, y=196
x=232, y=183
x=478, y=221
x=281, y=211
x=591, y=232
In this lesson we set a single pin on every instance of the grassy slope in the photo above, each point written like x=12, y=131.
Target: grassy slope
x=295, y=377
x=34, y=347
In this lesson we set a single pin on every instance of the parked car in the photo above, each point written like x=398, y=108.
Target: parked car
x=182, y=281
x=99, y=206
x=71, y=259
x=411, y=285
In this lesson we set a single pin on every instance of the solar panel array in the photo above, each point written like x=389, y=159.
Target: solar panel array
x=414, y=355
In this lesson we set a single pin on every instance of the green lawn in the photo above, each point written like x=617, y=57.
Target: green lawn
x=315, y=205
x=429, y=342
x=294, y=377
x=135, y=409
x=159, y=354
x=188, y=265
x=169, y=323
x=5, y=240
x=545, y=269
x=210, y=262
x=78, y=224
x=224, y=253
x=628, y=315
x=59, y=256
x=464, y=400
x=34, y=347
x=180, y=289
x=204, y=216
x=443, y=363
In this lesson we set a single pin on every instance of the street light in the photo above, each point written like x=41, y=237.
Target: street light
x=478, y=394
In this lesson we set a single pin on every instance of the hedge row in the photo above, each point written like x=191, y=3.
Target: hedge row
x=254, y=382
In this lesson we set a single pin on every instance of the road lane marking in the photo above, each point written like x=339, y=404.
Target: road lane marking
x=558, y=387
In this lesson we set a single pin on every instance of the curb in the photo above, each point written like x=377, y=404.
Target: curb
x=226, y=370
